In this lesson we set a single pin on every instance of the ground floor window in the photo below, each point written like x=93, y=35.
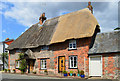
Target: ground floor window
x=17, y=64
x=43, y=64
x=73, y=62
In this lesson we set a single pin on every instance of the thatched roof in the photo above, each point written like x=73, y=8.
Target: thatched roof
x=106, y=43
x=75, y=25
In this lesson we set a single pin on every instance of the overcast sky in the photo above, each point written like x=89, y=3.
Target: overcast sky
x=19, y=16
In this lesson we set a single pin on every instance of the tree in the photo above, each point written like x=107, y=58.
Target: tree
x=118, y=28
x=5, y=55
x=23, y=64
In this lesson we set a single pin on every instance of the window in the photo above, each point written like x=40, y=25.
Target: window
x=44, y=47
x=18, y=51
x=17, y=64
x=43, y=64
x=72, y=44
x=73, y=61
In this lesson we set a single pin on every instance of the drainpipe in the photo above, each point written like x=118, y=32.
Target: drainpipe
x=3, y=54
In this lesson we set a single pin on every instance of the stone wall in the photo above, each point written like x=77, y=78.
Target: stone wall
x=111, y=65
x=119, y=67
x=45, y=54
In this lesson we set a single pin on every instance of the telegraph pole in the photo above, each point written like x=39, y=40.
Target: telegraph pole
x=3, y=54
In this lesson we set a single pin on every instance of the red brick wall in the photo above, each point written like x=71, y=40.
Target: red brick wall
x=61, y=49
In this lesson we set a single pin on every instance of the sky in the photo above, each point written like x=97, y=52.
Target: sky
x=17, y=17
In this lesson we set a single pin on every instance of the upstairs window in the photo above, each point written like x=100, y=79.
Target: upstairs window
x=72, y=44
x=44, y=47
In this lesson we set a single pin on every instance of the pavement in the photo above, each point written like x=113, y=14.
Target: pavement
x=23, y=77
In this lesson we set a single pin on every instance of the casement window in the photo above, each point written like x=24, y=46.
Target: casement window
x=43, y=64
x=44, y=47
x=18, y=51
x=17, y=64
x=73, y=62
x=72, y=44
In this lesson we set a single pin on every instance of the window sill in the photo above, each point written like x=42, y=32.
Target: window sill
x=43, y=69
x=72, y=68
x=72, y=49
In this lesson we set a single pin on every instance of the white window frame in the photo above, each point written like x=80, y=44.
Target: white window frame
x=43, y=66
x=17, y=64
x=72, y=42
x=70, y=65
x=44, y=47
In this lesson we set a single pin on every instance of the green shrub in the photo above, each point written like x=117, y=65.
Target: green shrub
x=81, y=72
x=5, y=70
x=45, y=71
x=34, y=72
x=23, y=64
x=71, y=72
x=9, y=70
x=14, y=70
x=78, y=71
x=64, y=72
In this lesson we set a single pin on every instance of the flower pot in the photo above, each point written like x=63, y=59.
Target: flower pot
x=68, y=74
x=71, y=74
x=74, y=74
x=65, y=74
x=82, y=76
x=78, y=75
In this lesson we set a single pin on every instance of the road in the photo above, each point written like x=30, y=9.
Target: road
x=18, y=77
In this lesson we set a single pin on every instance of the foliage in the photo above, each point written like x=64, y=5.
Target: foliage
x=71, y=72
x=118, y=28
x=45, y=71
x=78, y=71
x=5, y=70
x=9, y=70
x=23, y=64
x=34, y=72
x=5, y=55
x=21, y=56
x=14, y=70
x=81, y=72
x=64, y=72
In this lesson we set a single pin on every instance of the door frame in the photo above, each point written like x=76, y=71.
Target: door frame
x=58, y=63
x=29, y=64
x=101, y=64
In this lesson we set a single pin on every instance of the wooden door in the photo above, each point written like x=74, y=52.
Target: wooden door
x=31, y=65
x=61, y=64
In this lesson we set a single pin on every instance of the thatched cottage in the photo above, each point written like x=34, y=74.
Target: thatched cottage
x=68, y=42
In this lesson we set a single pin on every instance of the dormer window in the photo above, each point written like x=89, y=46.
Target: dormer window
x=72, y=44
x=44, y=47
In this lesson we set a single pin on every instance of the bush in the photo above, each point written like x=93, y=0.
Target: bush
x=23, y=64
x=5, y=70
x=64, y=72
x=71, y=72
x=45, y=71
x=9, y=70
x=34, y=72
x=81, y=72
x=14, y=70
x=78, y=71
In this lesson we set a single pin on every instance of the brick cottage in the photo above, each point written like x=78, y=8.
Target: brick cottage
x=69, y=42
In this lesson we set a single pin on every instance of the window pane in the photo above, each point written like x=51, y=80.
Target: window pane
x=71, y=58
x=70, y=46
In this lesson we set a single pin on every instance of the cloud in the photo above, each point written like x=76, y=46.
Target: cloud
x=4, y=31
x=27, y=13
